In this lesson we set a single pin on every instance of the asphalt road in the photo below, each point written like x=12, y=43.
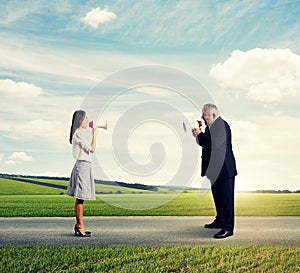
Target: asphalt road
x=148, y=231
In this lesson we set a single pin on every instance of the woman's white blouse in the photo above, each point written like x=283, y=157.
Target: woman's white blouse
x=81, y=146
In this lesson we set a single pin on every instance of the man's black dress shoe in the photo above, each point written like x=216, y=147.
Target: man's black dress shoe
x=212, y=225
x=223, y=234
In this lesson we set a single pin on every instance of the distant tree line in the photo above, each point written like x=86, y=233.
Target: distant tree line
x=34, y=176
x=275, y=191
x=128, y=185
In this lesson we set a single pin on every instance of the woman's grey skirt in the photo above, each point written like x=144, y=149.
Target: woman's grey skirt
x=82, y=184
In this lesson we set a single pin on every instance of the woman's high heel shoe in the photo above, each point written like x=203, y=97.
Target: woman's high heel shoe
x=86, y=232
x=80, y=234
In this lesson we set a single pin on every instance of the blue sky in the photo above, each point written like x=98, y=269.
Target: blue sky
x=245, y=53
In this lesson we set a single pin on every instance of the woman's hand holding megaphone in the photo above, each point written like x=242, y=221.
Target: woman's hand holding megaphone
x=95, y=131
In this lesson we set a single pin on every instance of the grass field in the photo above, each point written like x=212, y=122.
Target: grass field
x=25, y=199
x=267, y=259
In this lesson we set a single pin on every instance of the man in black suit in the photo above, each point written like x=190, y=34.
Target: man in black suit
x=218, y=165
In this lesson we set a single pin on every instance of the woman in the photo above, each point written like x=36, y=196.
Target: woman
x=81, y=184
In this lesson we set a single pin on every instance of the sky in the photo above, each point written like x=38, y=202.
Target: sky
x=145, y=67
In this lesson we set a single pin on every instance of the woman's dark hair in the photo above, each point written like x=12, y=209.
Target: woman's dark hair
x=78, y=117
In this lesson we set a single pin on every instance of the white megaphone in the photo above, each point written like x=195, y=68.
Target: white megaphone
x=199, y=123
x=91, y=125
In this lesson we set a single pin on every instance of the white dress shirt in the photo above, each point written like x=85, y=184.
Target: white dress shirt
x=81, y=145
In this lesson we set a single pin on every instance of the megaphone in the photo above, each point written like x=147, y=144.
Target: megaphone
x=91, y=125
x=184, y=126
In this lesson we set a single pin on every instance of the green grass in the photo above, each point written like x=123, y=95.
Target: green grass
x=185, y=204
x=99, y=187
x=267, y=259
x=268, y=204
x=25, y=199
x=11, y=187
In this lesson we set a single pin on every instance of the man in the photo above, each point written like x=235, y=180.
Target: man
x=218, y=165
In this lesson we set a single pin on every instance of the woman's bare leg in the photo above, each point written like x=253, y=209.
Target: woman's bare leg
x=78, y=208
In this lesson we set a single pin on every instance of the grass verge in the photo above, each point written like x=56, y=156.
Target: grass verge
x=150, y=259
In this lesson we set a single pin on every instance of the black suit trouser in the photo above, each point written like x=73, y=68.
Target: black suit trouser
x=223, y=194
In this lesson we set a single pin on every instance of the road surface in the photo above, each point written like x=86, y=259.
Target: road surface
x=162, y=230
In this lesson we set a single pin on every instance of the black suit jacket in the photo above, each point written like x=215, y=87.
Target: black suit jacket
x=218, y=160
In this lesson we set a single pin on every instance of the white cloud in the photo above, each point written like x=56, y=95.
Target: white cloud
x=14, y=89
x=55, y=130
x=266, y=151
x=266, y=75
x=42, y=119
x=26, y=115
x=97, y=16
x=38, y=131
x=1, y=156
x=74, y=65
x=18, y=158
x=20, y=54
